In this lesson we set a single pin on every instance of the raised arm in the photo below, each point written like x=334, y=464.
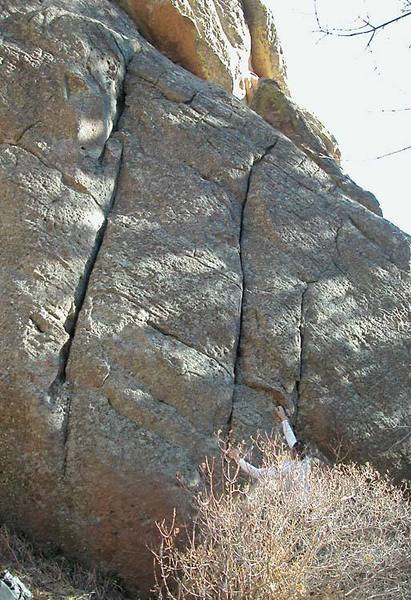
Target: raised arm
x=288, y=433
x=287, y=429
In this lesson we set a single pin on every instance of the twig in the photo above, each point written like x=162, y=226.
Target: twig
x=394, y=152
x=367, y=28
x=395, y=110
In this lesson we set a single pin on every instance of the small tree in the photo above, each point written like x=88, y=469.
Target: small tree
x=348, y=539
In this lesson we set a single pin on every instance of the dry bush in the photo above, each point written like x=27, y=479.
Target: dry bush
x=350, y=538
x=53, y=578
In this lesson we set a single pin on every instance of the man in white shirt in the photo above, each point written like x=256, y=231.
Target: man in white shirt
x=296, y=471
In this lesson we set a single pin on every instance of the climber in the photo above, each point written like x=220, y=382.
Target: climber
x=296, y=471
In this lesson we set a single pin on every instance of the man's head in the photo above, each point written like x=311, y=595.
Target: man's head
x=299, y=451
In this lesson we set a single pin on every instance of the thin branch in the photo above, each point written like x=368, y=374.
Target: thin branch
x=394, y=152
x=367, y=28
x=395, y=110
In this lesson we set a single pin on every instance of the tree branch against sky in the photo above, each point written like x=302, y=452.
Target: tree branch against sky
x=394, y=152
x=366, y=28
x=362, y=95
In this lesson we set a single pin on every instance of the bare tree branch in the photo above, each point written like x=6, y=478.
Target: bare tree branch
x=367, y=28
x=395, y=110
x=394, y=152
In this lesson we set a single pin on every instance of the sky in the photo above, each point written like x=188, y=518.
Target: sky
x=362, y=95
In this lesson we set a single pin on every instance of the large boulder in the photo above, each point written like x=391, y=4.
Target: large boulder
x=171, y=265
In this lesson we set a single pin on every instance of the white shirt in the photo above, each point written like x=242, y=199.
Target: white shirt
x=296, y=472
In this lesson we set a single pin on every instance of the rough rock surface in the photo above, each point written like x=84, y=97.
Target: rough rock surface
x=235, y=44
x=266, y=53
x=210, y=39
x=63, y=66
x=229, y=42
x=275, y=106
x=171, y=265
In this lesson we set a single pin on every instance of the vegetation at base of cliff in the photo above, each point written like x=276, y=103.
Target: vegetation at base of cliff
x=54, y=578
x=349, y=538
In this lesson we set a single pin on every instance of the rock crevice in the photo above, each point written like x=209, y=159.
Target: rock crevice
x=174, y=337
x=301, y=344
x=237, y=377
x=57, y=387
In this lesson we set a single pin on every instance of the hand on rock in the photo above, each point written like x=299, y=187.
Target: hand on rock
x=280, y=413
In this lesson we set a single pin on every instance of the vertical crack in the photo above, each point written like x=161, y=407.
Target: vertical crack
x=337, y=236
x=257, y=160
x=57, y=393
x=339, y=258
x=301, y=332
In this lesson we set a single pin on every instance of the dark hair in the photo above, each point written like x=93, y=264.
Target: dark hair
x=299, y=449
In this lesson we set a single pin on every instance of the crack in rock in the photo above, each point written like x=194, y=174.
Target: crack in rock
x=165, y=92
x=267, y=389
x=172, y=336
x=66, y=179
x=257, y=160
x=70, y=325
x=56, y=392
x=26, y=130
x=378, y=244
x=301, y=333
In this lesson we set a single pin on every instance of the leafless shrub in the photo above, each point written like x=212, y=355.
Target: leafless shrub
x=53, y=578
x=349, y=539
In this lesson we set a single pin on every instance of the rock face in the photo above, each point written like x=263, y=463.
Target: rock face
x=266, y=52
x=235, y=44
x=275, y=106
x=171, y=265
x=209, y=39
x=230, y=42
